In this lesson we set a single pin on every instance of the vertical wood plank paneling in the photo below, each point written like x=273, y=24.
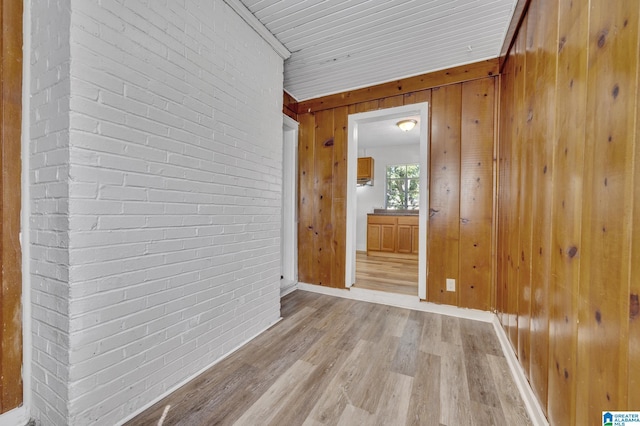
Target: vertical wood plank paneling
x=543, y=173
x=364, y=106
x=594, y=257
x=527, y=188
x=519, y=120
x=10, y=253
x=418, y=97
x=390, y=102
x=323, y=193
x=634, y=290
x=570, y=119
x=339, y=193
x=604, y=293
x=476, y=190
x=444, y=210
x=316, y=231
x=494, y=204
x=506, y=194
x=413, y=98
x=306, y=208
x=501, y=260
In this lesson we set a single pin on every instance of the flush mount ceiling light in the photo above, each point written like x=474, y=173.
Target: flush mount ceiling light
x=406, y=125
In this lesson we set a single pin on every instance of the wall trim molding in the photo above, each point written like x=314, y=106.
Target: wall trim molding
x=399, y=301
x=536, y=414
x=254, y=23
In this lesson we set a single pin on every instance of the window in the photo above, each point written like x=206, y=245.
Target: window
x=403, y=186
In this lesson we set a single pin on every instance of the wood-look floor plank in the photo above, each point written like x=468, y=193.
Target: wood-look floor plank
x=335, y=397
x=481, y=336
x=395, y=321
x=366, y=392
x=451, y=331
x=424, y=404
x=404, y=361
x=307, y=391
x=431, y=333
x=484, y=415
x=512, y=407
x=393, y=275
x=354, y=416
x=394, y=400
x=455, y=404
x=336, y=361
x=277, y=396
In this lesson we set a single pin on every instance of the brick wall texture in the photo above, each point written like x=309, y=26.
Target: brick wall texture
x=155, y=179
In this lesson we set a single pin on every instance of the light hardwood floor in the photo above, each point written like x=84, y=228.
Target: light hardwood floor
x=334, y=361
x=393, y=275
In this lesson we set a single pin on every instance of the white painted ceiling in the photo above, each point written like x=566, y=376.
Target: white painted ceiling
x=340, y=45
x=385, y=132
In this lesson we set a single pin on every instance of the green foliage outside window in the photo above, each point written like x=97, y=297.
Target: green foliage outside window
x=403, y=186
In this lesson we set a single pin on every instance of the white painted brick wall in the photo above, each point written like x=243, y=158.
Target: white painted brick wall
x=172, y=147
x=48, y=235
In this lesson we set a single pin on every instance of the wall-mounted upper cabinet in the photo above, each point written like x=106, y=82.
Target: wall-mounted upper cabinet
x=365, y=170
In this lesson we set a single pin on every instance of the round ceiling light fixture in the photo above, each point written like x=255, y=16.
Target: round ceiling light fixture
x=406, y=125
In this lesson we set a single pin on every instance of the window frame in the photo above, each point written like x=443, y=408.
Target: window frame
x=406, y=191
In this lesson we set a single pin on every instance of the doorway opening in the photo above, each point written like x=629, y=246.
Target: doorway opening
x=358, y=123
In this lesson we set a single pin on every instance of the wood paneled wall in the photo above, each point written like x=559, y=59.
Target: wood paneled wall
x=461, y=180
x=10, y=253
x=569, y=206
x=289, y=106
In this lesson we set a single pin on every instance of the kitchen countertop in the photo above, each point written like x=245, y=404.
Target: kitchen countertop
x=385, y=212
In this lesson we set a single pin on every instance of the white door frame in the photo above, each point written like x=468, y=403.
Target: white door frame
x=421, y=110
x=289, y=234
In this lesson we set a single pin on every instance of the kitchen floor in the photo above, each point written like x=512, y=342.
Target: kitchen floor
x=390, y=274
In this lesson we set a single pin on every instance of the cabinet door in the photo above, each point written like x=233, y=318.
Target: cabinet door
x=404, y=239
x=388, y=240
x=365, y=168
x=415, y=239
x=373, y=237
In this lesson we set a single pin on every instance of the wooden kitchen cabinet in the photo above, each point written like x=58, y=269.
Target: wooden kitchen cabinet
x=373, y=237
x=404, y=238
x=388, y=240
x=365, y=170
x=392, y=235
x=415, y=239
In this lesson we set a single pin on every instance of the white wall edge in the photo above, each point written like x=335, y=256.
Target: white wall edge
x=289, y=219
x=193, y=376
x=536, y=414
x=254, y=23
x=287, y=289
x=399, y=301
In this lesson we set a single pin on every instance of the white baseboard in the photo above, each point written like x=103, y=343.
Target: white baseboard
x=412, y=302
x=399, y=300
x=536, y=414
x=193, y=376
x=17, y=416
x=287, y=287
